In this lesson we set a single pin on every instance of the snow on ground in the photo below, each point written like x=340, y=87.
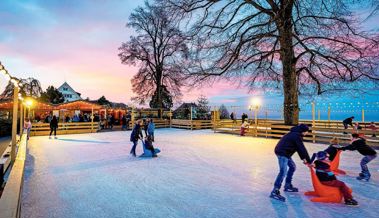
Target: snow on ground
x=197, y=174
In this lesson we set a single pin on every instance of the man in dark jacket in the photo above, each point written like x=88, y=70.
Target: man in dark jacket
x=346, y=122
x=289, y=144
x=135, y=135
x=359, y=144
x=244, y=117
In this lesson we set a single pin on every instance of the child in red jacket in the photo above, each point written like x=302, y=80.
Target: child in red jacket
x=327, y=177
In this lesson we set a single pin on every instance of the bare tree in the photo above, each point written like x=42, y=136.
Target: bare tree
x=297, y=46
x=157, y=46
x=30, y=87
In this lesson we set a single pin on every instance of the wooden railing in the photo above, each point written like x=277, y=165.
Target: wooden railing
x=192, y=124
x=39, y=129
x=10, y=201
x=161, y=123
x=322, y=131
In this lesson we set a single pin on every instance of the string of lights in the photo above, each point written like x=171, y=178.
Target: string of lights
x=16, y=82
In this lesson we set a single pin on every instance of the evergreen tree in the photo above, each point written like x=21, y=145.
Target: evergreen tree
x=52, y=95
x=224, y=113
x=202, y=108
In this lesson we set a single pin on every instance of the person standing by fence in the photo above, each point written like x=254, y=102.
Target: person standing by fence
x=27, y=127
x=346, y=122
x=53, y=127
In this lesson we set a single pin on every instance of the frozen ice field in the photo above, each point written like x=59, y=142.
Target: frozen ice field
x=197, y=174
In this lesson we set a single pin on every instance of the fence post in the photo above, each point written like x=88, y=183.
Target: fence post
x=363, y=115
x=329, y=116
x=191, y=117
x=319, y=115
x=170, y=118
x=313, y=122
x=92, y=119
x=14, y=123
x=21, y=118
x=266, y=122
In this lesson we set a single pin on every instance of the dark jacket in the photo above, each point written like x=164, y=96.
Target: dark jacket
x=323, y=171
x=136, y=133
x=361, y=146
x=332, y=151
x=348, y=121
x=293, y=142
x=54, y=123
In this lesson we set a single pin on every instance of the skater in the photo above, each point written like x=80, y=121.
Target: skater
x=289, y=144
x=347, y=122
x=233, y=117
x=145, y=125
x=53, y=127
x=327, y=177
x=244, y=117
x=373, y=128
x=357, y=127
x=135, y=136
x=359, y=144
x=123, y=121
x=333, y=148
x=149, y=145
x=151, y=129
x=244, y=128
x=27, y=127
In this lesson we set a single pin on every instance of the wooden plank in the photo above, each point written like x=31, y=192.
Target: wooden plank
x=10, y=201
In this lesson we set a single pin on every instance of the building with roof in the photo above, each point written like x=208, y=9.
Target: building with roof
x=69, y=93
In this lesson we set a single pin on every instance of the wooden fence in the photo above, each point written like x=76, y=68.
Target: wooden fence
x=321, y=131
x=39, y=129
x=192, y=124
x=10, y=201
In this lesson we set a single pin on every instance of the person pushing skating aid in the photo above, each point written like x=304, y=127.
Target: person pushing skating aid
x=289, y=144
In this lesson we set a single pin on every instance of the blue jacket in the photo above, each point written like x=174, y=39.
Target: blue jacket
x=293, y=142
x=151, y=128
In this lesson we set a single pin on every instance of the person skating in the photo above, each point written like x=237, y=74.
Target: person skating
x=359, y=144
x=53, y=127
x=151, y=129
x=135, y=136
x=145, y=125
x=333, y=148
x=244, y=117
x=327, y=177
x=27, y=127
x=149, y=145
x=289, y=144
x=346, y=122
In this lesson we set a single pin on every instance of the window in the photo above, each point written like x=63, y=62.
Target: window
x=65, y=88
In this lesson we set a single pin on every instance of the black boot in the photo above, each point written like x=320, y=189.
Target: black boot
x=290, y=188
x=351, y=202
x=275, y=194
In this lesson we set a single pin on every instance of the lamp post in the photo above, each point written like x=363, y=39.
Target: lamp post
x=255, y=105
x=29, y=103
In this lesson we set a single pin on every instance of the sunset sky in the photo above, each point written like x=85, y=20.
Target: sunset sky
x=77, y=41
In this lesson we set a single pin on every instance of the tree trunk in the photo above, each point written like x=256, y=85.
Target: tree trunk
x=290, y=86
x=159, y=93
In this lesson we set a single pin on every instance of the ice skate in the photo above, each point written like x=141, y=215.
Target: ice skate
x=290, y=188
x=351, y=202
x=275, y=194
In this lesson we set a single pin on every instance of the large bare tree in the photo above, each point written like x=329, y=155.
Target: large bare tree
x=30, y=87
x=298, y=46
x=155, y=48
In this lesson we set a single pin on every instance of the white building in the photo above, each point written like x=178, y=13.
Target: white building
x=69, y=93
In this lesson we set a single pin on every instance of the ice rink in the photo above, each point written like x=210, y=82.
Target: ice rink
x=197, y=174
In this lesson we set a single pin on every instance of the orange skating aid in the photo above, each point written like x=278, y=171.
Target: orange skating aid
x=323, y=193
x=335, y=164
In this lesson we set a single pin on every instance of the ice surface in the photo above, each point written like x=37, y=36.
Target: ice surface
x=197, y=174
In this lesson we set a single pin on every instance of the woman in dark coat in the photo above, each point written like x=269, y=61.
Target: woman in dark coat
x=135, y=136
x=53, y=126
